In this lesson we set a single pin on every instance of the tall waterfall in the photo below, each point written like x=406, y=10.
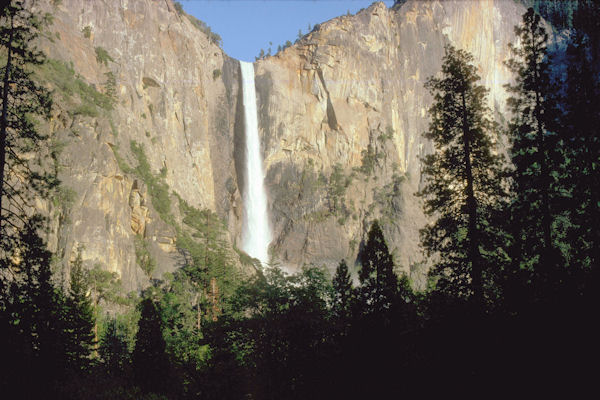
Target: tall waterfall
x=256, y=233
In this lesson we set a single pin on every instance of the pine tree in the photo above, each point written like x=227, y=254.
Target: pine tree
x=150, y=363
x=113, y=350
x=33, y=359
x=376, y=275
x=342, y=291
x=463, y=179
x=579, y=131
x=80, y=318
x=536, y=153
x=22, y=100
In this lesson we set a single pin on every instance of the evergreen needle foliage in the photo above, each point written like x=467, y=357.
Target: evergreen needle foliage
x=463, y=186
x=377, y=277
x=538, y=157
x=150, y=363
x=80, y=318
x=22, y=102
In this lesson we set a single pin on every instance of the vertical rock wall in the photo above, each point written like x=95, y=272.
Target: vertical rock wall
x=176, y=95
x=358, y=81
x=341, y=116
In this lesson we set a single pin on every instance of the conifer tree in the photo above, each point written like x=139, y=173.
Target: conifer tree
x=20, y=99
x=150, y=363
x=80, y=318
x=342, y=291
x=581, y=134
x=34, y=357
x=376, y=275
x=463, y=185
x=535, y=151
x=113, y=350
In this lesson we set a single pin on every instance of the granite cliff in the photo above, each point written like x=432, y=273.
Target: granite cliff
x=341, y=114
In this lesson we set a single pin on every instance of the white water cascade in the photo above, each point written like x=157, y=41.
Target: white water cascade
x=256, y=232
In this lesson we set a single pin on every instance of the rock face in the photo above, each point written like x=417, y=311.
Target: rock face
x=341, y=116
x=357, y=83
x=175, y=97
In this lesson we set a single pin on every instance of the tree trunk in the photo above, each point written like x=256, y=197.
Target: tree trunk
x=3, y=120
x=473, y=250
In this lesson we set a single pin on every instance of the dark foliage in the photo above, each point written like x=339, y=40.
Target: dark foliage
x=150, y=362
x=79, y=318
x=541, y=188
x=464, y=186
x=22, y=101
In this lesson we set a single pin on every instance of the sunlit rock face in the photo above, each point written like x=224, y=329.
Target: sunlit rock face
x=176, y=96
x=357, y=80
x=354, y=83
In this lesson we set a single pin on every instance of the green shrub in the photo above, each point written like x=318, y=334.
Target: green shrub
x=64, y=197
x=213, y=37
x=216, y=74
x=178, y=7
x=69, y=85
x=111, y=85
x=102, y=56
x=86, y=109
x=157, y=188
x=87, y=32
x=123, y=166
x=369, y=159
x=143, y=257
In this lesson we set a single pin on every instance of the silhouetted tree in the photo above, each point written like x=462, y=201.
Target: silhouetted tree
x=581, y=135
x=34, y=359
x=150, y=362
x=22, y=100
x=536, y=153
x=79, y=318
x=463, y=179
x=343, y=293
x=113, y=350
x=376, y=275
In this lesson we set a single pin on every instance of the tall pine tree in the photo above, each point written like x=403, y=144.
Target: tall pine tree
x=113, y=350
x=80, y=318
x=21, y=101
x=581, y=134
x=463, y=186
x=343, y=292
x=376, y=275
x=536, y=153
x=150, y=362
x=33, y=360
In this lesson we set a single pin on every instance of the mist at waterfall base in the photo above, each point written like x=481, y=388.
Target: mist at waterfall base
x=256, y=233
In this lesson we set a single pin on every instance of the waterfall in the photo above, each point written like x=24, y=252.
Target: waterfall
x=256, y=233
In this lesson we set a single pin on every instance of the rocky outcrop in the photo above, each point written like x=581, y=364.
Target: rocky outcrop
x=341, y=116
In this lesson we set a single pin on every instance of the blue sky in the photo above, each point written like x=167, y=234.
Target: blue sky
x=246, y=26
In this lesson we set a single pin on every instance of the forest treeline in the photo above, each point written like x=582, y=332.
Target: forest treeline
x=511, y=304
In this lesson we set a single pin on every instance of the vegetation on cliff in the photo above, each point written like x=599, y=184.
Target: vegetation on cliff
x=518, y=248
